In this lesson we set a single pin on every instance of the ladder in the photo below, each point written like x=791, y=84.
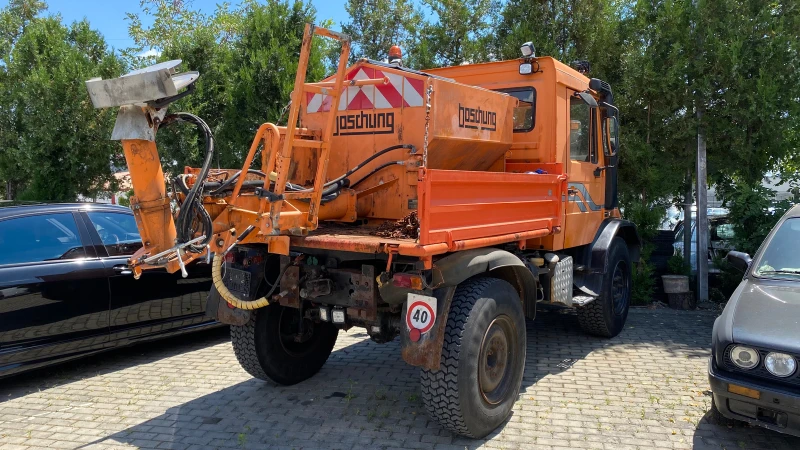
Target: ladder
x=293, y=138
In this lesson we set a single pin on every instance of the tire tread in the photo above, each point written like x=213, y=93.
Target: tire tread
x=440, y=387
x=243, y=339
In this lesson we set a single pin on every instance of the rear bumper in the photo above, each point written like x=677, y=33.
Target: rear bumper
x=776, y=409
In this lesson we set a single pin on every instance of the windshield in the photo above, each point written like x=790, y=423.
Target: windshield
x=781, y=256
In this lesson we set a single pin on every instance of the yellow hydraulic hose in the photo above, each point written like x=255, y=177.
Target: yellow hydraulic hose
x=216, y=277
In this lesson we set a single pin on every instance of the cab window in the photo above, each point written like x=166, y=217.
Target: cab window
x=525, y=112
x=582, y=147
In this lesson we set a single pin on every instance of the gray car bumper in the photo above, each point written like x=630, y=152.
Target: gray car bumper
x=777, y=408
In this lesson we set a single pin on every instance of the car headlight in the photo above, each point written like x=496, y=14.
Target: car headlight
x=744, y=357
x=780, y=364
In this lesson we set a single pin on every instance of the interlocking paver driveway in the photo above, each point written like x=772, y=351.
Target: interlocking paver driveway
x=645, y=389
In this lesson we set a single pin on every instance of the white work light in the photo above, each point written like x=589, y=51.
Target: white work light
x=780, y=364
x=744, y=357
x=528, y=51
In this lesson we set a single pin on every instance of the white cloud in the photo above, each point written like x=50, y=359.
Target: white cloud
x=150, y=53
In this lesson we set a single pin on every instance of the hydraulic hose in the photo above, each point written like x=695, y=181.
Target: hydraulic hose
x=192, y=204
x=376, y=170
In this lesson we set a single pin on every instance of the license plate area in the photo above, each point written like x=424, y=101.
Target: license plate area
x=237, y=281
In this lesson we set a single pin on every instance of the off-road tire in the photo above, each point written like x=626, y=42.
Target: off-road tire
x=261, y=353
x=453, y=394
x=604, y=316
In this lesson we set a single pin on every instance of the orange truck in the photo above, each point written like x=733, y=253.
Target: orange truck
x=441, y=206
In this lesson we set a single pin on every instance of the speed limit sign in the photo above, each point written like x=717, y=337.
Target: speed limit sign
x=420, y=312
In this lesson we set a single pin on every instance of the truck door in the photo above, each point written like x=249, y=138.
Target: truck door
x=586, y=191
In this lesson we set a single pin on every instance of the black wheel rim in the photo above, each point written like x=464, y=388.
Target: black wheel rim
x=498, y=360
x=295, y=344
x=619, y=288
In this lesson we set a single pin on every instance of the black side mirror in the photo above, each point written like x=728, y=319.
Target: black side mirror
x=739, y=260
x=611, y=133
x=587, y=98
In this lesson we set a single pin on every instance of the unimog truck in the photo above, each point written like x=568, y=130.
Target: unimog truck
x=436, y=207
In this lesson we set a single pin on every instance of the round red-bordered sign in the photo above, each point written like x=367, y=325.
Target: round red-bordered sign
x=425, y=309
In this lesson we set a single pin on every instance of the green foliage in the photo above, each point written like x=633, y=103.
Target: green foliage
x=376, y=25
x=676, y=265
x=247, y=58
x=55, y=144
x=752, y=213
x=460, y=32
x=126, y=201
x=643, y=281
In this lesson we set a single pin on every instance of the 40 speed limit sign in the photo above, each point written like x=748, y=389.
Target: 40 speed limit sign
x=420, y=312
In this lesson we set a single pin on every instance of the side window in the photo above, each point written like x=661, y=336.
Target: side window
x=118, y=232
x=582, y=147
x=43, y=237
x=525, y=113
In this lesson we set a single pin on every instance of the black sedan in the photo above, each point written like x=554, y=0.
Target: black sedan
x=756, y=340
x=66, y=292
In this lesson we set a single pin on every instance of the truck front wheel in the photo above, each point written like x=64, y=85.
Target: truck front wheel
x=606, y=315
x=271, y=346
x=483, y=358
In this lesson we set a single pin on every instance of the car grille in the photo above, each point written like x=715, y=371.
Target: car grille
x=760, y=370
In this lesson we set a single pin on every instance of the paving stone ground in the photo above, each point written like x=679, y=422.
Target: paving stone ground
x=645, y=389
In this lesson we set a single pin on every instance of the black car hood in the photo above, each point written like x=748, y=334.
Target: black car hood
x=767, y=315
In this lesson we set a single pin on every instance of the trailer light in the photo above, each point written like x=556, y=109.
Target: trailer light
x=528, y=50
x=338, y=316
x=324, y=314
x=406, y=280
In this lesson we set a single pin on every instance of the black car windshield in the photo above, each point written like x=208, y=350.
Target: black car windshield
x=781, y=256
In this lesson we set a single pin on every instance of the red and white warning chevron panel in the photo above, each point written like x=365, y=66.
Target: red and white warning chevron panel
x=399, y=92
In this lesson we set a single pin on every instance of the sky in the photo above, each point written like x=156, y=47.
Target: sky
x=108, y=16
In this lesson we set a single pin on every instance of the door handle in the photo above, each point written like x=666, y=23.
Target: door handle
x=122, y=269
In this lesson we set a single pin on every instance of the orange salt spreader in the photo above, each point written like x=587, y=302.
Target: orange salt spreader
x=440, y=206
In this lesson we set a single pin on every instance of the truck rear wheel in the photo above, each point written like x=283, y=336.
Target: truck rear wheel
x=483, y=358
x=606, y=315
x=268, y=347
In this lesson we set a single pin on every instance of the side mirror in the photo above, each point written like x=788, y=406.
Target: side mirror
x=739, y=260
x=587, y=98
x=611, y=134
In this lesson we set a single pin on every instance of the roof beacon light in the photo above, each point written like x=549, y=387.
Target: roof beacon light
x=395, y=55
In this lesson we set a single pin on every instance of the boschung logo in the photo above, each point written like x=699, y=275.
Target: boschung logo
x=364, y=123
x=476, y=118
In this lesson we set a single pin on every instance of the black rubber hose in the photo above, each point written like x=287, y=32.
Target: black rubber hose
x=371, y=158
x=191, y=206
x=378, y=169
x=235, y=177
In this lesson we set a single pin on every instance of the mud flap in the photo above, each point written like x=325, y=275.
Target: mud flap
x=427, y=351
x=219, y=310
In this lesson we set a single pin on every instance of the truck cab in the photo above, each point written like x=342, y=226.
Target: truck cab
x=563, y=119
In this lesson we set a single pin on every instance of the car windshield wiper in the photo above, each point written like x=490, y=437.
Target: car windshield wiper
x=789, y=271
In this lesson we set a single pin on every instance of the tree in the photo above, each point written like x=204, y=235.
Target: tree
x=55, y=144
x=459, y=32
x=376, y=25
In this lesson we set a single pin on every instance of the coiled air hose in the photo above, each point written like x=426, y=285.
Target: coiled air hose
x=227, y=295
